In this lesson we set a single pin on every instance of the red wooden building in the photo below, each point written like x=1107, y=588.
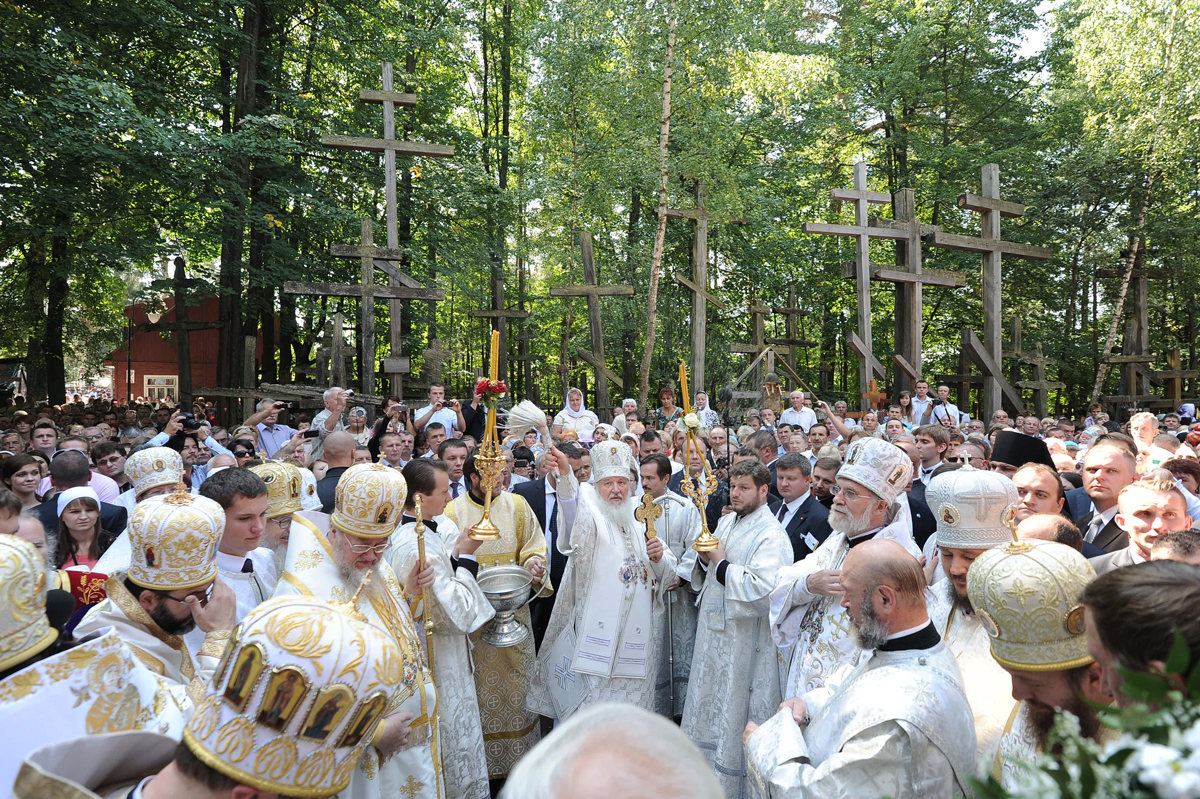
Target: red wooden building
x=149, y=367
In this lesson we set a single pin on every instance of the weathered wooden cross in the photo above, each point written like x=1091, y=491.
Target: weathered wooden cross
x=435, y=358
x=791, y=339
x=367, y=291
x=1174, y=376
x=758, y=345
x=1039, y=385
x=862, y=232
x=499, y=317
x=698, y=284
x=593, y=291
x=1136, y=375
x=387, y=259
x=990, y=208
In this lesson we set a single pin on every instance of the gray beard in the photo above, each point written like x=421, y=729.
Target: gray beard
x=352, y=578
x=871, y=632
x=850, y=524
x=621, y=516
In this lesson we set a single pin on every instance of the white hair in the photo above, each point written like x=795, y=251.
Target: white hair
x=330, y=393
x=624, y=748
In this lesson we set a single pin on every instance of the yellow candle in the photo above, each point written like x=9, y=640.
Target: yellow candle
x=495, y=355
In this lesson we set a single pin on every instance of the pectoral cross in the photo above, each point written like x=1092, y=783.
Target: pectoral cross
x=564, y=673
x=648, y=512
x=411, y=788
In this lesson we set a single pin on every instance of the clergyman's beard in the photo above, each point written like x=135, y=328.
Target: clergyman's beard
x=851, y=524
x=958, y=601
x=168, y=623
x=870, y=633
x=1041, y=717
x=619, y=514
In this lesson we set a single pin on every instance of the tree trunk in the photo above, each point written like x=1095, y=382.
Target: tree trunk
x=660, y=235
x=56, y=306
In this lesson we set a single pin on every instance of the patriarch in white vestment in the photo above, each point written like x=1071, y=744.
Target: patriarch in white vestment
x=895, y=725
x=457, y=608
x=735, y=672
x=298, y=700
x=339, y=557
x=602, y=641
x=1027, y=596
x=808, y=623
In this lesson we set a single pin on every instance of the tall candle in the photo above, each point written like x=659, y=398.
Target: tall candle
x=495, y=355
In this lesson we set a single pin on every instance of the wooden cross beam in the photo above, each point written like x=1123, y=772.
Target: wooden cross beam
x=1174, y=377
x=387, y=258
x=593, y=291
x=989, y=244
x=1040, y=385
x=791, y=317
x=759, y=342
x=862, y=233
x=698, y=284
x=1016, y=353
x=435, y=356
x=874, y=396
x=979, y=353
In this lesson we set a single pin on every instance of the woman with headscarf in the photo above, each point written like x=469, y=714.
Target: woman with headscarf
x=575, y=417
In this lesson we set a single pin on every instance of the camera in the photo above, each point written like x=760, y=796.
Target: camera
x=937, y=402
x=190, y=423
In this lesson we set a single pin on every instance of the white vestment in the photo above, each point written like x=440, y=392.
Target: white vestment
x=95, y=687
x=813, y=631
x=310, y=570
x=249, y=588
x=680, y=524
x=168, y=656
x=897, y=725
x=608, y=622
x=987, y=685
x=735, y=674
x=1018, y=746
x=458, y=608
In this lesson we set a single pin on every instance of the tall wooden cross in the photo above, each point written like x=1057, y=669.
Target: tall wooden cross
x=367, y=291
x=989, y=244
x=1039, y=385
x=593, y=291
x=758, y=345
x=1174, y=376
x=698, y=284
x=1016, y=353
x=435, y=358
x=862, y=232
x=388, y=259
x=1135, y=373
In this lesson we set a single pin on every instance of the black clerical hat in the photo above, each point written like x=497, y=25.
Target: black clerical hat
x=1018, y=449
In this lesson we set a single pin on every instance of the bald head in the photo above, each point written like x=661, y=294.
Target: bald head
x=221, y=462
x=1051, y=527
x=339, y=449
x=882, y=561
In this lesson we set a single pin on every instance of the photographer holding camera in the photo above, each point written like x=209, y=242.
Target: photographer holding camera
x=448, y=413
x=271, y=435
x=184, y=433
x=941, y=407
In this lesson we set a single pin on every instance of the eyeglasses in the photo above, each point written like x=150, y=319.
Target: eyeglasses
x=848, y=494
x=111, y=460
x=966, y=459
x=241, y=453
x=362, y=549
x=204, y=600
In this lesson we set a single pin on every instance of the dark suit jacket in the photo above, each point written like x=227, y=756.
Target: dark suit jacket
x=772, y=492
x=1077, y=504
x=1110, y=538
x=717, y=500
x=924, y=525
x=327, y=485
x=810, y=518
x=474, y=418
x=113, y=518
x=1112, y=560
x=534, y=492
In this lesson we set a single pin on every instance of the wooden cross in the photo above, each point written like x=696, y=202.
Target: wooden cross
x=1039, y=385
x=1174, y=377
x=862, y=232
x=1016, y=353
x=367, y=291
x=647, y=512
x=973, y=347
x=874, y=396
x=499, y=317
x=435, y=357
x=387, y=259
x=1135, y=374
x=990, y=208
x=791, y=341
x=593, y=291
x=698, y=284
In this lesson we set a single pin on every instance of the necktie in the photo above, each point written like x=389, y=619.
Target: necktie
x=552, y=509
x=783, y=509
x=1094, y=527
x=454, y=490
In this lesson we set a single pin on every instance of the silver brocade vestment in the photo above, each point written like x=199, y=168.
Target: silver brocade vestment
x=898, y=725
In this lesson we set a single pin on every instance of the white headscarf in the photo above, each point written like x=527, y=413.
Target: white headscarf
x=567, y=404
x=65, y=498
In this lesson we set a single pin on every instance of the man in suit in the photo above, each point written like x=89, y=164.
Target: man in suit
x=923, y=523
x=803, y=518
x=1145, y=510
x=543, y=501
x=719, y=498
x=1041, y=493
x=70, y=469
x=766, y=448
x=1107, y=468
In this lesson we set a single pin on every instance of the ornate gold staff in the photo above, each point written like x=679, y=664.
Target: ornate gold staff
x=420, y=531
x=706, y=541
x=489, y=460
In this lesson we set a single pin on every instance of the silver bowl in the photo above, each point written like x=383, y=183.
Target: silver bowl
x=508, y=589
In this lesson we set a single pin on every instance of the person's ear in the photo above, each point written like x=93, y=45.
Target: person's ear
x=887, y=597
x=148, y=600
x=1094, y=686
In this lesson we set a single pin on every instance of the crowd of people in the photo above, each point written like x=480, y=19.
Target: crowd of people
x=896, y=601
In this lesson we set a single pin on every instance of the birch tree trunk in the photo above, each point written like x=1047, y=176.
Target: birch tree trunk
x=660, y=235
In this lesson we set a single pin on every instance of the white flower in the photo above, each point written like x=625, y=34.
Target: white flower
x=691, y=421
x=1155, y=766
x=1184, y=785
x=1191, y=738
